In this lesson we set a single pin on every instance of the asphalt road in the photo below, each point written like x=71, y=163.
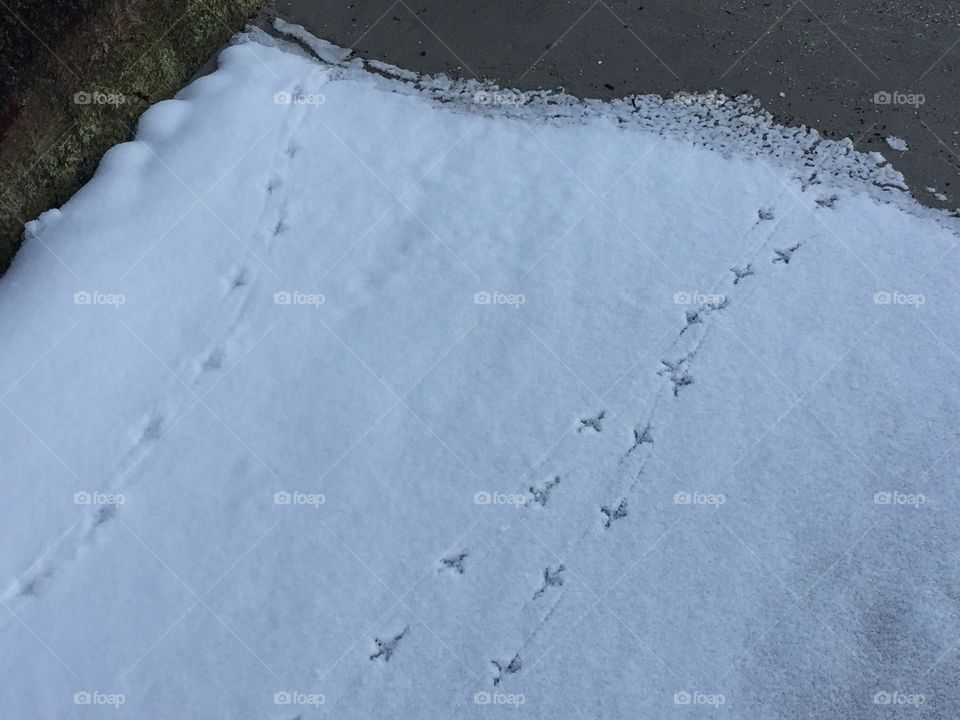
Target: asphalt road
x=863, y=69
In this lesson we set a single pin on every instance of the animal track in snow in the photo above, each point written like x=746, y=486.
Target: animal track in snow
x=813, y=179
x=682, y=381
x=239, y=279
x=671, y=365
x=455, y=562
x=741, y=272
x=695, y=317
x=386, y=648
x=542, y=494
x=31, y=588
x=595, y=422
x=676, y=370
x=153, y=429
x=213, y=361
x=676, y=367
x=103, y=514
x=510, y=668
x=156, y=423
x=551, y=578
x=620, y=511
x=785, y=255
x=280, y=227
x=641, y=438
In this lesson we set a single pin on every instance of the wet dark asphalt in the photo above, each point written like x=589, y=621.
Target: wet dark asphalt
x=863, y=69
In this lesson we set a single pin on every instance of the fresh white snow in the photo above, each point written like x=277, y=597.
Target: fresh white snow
x=337, y=393
x=898, y=144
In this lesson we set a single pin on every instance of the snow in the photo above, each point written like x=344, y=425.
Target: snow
x=323, y=50
x=374, y=398
x=898, y=144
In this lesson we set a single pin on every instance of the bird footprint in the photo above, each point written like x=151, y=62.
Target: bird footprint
x=551, y=578
x=620, y=511
x=542, y=494
x=785, y=255
x=386, y=648
x=455, y=562
x=595, y=423
x=510, y=668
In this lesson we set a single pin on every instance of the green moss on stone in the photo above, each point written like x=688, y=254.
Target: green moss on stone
x=142, y=51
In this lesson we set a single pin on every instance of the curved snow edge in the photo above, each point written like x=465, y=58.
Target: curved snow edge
x=732, y=126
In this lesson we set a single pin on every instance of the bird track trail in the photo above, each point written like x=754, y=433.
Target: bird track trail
x=179, y=397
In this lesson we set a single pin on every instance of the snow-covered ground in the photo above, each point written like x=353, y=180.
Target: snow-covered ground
x=345, y=393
